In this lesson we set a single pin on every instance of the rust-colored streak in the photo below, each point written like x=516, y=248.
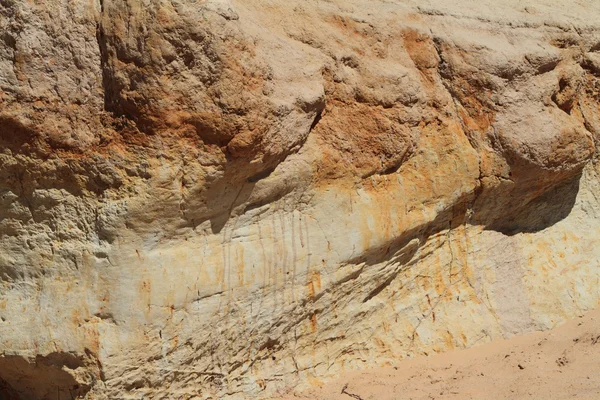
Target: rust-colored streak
x=313, y=322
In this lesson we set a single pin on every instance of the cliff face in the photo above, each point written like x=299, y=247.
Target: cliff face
x=235, y=198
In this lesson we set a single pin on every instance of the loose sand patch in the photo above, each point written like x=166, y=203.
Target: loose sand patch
x=558, y=364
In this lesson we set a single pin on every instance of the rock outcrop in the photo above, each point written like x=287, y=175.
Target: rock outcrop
x=214, y=198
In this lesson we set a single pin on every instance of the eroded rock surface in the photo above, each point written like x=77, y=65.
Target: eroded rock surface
x=211, y=199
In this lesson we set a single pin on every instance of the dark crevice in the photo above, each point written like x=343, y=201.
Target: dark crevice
x=353, y=395
x=111, y=86
x=101, y=39
x=316, y=120
x=380, y=288
x=260, y=176
x=589, y=66
x=392, y=169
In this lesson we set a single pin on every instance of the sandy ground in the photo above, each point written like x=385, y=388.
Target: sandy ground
x=563, y=363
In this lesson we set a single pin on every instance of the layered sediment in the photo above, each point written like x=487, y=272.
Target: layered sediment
x=212, y=199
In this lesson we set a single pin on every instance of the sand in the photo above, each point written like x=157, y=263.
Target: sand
x=563, y=363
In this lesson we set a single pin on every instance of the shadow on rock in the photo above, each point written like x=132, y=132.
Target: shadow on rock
x=52, y=377
x=540, y=212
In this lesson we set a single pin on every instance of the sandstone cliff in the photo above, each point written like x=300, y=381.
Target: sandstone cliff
x=236, y=198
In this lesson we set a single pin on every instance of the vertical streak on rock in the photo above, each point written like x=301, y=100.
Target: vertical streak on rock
x=102, y=45
x=308, y=253
x=510, y=296
x=284, y=260
x=294, y=256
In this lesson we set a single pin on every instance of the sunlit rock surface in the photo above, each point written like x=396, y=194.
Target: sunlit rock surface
x=213, y=199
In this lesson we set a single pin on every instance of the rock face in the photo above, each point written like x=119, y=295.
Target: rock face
x=213, y=199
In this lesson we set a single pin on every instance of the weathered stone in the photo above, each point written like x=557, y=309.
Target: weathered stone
x=211, y=199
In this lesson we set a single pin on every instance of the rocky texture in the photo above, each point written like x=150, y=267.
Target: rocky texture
x=557, y=364
x=209, y=199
